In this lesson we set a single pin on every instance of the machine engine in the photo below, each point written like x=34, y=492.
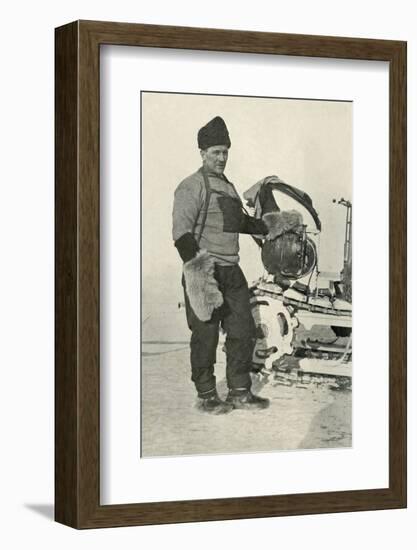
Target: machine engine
x=302, y=317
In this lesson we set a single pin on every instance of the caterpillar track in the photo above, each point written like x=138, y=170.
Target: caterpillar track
x=298, y=345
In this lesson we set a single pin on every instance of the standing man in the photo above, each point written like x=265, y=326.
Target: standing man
x=207, y=220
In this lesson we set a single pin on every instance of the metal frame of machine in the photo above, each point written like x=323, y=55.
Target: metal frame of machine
x=286, y=311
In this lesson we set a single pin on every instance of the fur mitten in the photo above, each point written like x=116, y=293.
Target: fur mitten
x=201, y=286
x=281, y=222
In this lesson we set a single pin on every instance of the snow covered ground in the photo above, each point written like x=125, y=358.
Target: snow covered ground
x=304, y=416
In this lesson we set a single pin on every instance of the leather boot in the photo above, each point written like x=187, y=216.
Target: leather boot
x=245, y=399
x=214, y=405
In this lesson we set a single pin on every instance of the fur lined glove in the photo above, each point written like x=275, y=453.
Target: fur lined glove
x=201, y=286
x=281, y=222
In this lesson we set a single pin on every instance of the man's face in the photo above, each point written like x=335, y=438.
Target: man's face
x=215, y=158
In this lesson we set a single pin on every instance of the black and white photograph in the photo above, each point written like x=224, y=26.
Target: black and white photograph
x=246, y=274
x=209, y=256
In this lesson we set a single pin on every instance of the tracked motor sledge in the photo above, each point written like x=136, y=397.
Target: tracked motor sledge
x=303, y=316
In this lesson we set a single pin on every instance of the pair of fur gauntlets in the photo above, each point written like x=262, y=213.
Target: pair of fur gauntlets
x=281, y=222
x=200, y=285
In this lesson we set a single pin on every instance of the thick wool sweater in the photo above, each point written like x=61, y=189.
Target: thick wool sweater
x=220, y=234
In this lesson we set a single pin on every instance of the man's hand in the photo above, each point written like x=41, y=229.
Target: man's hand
x=201, y=286
x=281, y=222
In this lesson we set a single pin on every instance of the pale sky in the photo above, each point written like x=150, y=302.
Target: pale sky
x=307, y=143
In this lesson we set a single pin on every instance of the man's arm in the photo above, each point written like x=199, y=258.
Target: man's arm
x=187, y=206
x=256, y=226
x=187, y=247
x=201, y=286
x=274, y=222
x=253, y=226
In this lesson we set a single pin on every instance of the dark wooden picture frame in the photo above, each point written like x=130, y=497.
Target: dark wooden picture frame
x=77, y=370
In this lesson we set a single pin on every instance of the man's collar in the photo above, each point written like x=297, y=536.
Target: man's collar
x=214, y=174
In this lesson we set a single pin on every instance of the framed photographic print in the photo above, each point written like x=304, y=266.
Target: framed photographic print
x=230, y=329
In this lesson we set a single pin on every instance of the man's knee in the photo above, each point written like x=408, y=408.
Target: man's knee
x=242, y=329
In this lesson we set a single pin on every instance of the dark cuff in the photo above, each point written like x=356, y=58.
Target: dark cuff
x=187, y=247
x=253, y=226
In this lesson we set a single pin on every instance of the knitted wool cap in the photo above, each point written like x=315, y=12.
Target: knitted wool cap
x=213, y=133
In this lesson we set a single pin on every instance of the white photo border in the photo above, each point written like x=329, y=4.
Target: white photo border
x=126, y=478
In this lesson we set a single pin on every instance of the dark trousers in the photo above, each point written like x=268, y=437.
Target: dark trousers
x=236, y=319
